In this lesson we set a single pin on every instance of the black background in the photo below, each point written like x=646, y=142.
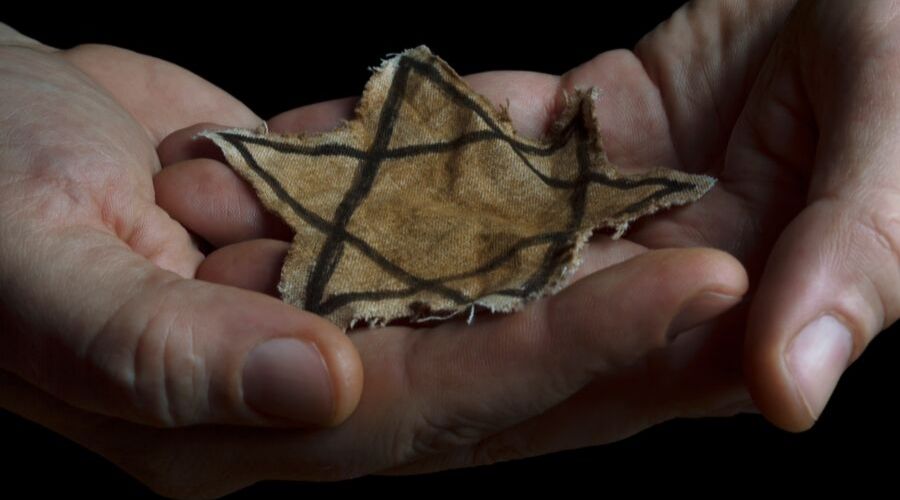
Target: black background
x=274, y=59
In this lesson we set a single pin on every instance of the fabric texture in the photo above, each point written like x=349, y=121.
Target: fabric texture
x=427, y=203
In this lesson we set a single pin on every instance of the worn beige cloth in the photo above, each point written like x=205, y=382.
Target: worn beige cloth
x=427, y=203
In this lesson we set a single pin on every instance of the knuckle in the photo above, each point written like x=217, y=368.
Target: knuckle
x=881, y=251
x=170, y=386
x=883, y=229
x=427, y=430
x=147, y=352
x=431, y=435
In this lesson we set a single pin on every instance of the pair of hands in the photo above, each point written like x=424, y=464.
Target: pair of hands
x=119, y=333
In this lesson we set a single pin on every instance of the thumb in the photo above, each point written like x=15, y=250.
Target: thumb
x=119, y=336
x=826, y=292
x=831, y=281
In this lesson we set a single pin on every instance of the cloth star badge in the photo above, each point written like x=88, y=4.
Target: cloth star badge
x=427, y=203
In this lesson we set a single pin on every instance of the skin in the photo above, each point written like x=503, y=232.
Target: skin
x=790, y=106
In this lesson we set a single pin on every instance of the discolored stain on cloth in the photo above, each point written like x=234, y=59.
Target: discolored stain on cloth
x=428, y=203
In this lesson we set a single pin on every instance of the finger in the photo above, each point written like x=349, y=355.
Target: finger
x=184, y=144
x=154, y=348
x=459, y=384
x=318, y=117
x=251, y=265
x=210, y=200
x=631, y=121
x=603, y=251
x=598, y=324
x=830, y=283
x=697, y=375
x=533, y=101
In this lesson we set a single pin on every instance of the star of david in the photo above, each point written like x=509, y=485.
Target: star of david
x=428, y=202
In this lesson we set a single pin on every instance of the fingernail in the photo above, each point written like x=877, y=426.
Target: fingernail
x=288, y=378
x=817, y=357
x=699, y=309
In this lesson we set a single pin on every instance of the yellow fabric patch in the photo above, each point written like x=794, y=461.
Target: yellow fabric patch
x=428, y=203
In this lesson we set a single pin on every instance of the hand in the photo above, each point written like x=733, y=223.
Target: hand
x=794, y=109
x=822, y=120
x=98, y=304
x=139, y=367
